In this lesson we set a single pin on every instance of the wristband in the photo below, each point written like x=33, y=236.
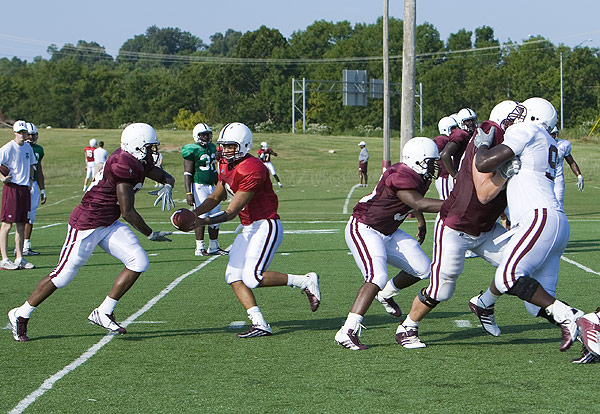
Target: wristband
x=580, y=176
x=188, y=173
x=188, y=193
x=43, y=192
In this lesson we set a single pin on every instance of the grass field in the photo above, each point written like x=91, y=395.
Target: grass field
x=180, y=354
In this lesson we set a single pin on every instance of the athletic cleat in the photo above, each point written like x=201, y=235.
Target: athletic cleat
x=218, y=252
x=29, y=252
x=24, y=264
x=256, y=331
x=486, y=316
x=589, y=329
x=280, y=185
x=18, y=326
x=106, y=321
x=349, y=339
x=200, y=252
x=6, y=264
x=586, y=357
x=312, y=291
x=470, y=254
x=409, y=337
x=390, y=305
x=569, y=329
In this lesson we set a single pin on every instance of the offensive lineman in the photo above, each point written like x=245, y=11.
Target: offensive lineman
x=199, y=177
x=247, y=180
x=95, y=222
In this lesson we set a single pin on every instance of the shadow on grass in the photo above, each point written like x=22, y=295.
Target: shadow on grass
x=576, y=246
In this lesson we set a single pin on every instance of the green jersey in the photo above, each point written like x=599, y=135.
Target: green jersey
x=38, y=151
x=205, y=162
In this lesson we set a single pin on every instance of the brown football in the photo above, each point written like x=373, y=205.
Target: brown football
x=4, y=170
x=183, y=219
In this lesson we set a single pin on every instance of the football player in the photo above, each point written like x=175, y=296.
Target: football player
x=375, y=239
x=199, y=177
x=89, y=162
x=446, y=126
x=247, y=180
x=530, y=261
x=564, y=154
x=265, y=153
x=95, y=222
x=467, y=221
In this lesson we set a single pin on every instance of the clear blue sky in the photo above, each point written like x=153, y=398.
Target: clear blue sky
x=29, y=27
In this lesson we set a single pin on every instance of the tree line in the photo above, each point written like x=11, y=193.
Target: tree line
x=170, y=78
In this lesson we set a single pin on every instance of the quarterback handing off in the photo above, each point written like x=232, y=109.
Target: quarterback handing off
x=247, y=180
x=95, y=222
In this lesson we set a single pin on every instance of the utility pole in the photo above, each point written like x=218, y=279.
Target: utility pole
x=408, y=73
x=386, y=88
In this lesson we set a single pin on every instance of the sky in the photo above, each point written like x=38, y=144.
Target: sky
x=111, y=23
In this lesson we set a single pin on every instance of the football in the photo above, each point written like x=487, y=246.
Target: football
x=183, y=219
x=4, y=170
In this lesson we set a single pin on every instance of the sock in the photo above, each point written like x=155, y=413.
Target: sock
x=25, y=310
x=200, y=245
x=213, y=245
x=409, y=323
x=26, y=244
x=108, y=306
x=487, y=299
x=353, y=321
x=298, y=281
x=389, y=290
x=256, y=316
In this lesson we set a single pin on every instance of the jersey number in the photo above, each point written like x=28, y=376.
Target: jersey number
x=552, y=161
x=210, y=162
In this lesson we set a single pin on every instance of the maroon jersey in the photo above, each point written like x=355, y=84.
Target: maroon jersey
x=441, y=141
x=99, y=206
x=462, y=211
x=89, y=154
x=382, y=210
x=251, y=175
x=461, y=138
x=265, y=155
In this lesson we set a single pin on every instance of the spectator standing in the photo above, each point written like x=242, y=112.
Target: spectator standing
x=363, y=160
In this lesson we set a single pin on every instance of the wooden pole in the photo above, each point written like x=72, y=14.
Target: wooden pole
x=386, y=88
x=407, y=115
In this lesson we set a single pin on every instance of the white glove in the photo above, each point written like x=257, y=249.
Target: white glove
x=510, y=168
x=160, y=236
x=580, y=182
x=484, y=139
x=166, y=195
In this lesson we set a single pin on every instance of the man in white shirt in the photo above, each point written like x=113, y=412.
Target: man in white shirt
x=100, y=156
x=363, y=162
x=18, y=157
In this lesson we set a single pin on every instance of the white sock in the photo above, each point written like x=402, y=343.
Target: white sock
x=409, y=323
x=256, y=316
x=26, y=244
x=353, y=321
x=389, y=290
x=108, y=306
x=25, y=310
x=487, y=299
x=213, y=245
x=200, y=245
x=560, y=311
x=298, y=281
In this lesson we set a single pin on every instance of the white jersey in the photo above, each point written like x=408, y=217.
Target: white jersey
x=100, y=155
x=18, y=159
x=564, y=148
x=533, y=186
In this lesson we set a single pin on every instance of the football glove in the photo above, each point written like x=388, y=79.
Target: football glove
x=484, y=139
x=510, y=168
x=165, y=195
x=160, y=236
x=580, y=182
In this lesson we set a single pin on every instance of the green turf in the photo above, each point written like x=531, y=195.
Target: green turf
x=189, y=360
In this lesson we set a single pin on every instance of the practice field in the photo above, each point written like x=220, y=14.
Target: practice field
x=181, y=353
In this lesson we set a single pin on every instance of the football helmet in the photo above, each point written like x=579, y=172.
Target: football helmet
x=264, y=145
x=501, y=113
x=202, y=134
x=421, y=154
x=93, y=143
x=540, y=111
x=139, y=140
x=467, y=119
x=554, y=133
x=446, y=125
x=236, y=133
x=33, y=133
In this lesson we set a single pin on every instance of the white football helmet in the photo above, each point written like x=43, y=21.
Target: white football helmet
x=467, y=119
x=202, y=134
x=32, y=132
x=446, y=125
x=264, y=145
x=540, y=111
x=421, y=154
x=139, y=140
x=554, y=133
x=238, y=134
x=501, y=113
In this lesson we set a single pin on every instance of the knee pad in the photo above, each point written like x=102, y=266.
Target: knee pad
x=427, y=300
x=524, y=288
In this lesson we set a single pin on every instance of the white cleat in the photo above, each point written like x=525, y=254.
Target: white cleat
x=349, y=339
x=106, y=321
x=409, y=337
x=312, y=291
x=486, y=316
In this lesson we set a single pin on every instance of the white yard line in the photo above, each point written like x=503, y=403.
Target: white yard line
x=49, y=383
x=355, y=186
x=579, y=265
